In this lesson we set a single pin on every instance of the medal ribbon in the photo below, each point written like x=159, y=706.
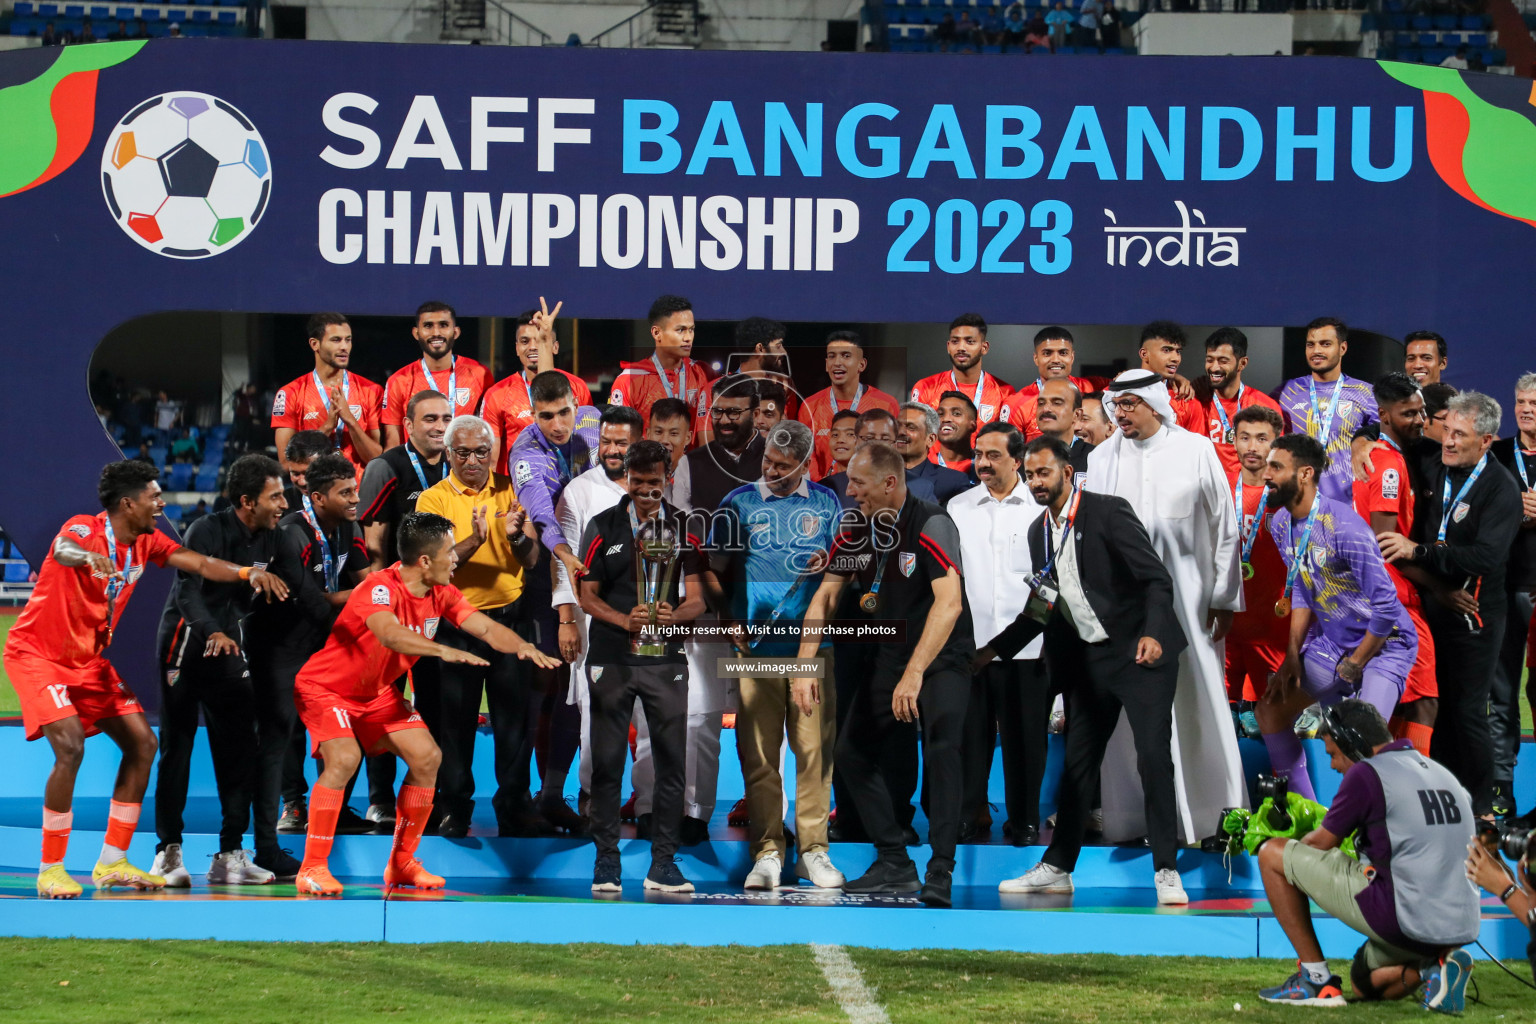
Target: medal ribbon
x=1249, y=532
x=981, y=383
x=682, y=378
x=119, y=579
x=1226, y=427
x=452, y=394
x=328, y=567
x=1315, y=418
x=1300, y=551
x=1445, y=495
x=858, y=396
x=325, y=399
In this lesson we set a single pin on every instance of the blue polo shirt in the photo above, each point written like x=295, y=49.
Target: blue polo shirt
x=763, y=543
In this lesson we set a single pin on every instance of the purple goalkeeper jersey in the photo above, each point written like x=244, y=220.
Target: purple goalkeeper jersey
x=540, y=471
x=1356, y=407
x=1342, y=577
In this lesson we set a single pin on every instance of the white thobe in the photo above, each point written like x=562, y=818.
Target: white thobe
x=1175, y=482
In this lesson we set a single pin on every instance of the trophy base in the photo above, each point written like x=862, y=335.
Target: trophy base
x=648, y=650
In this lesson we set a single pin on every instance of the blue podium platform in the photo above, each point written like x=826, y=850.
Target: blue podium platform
x=537, y=890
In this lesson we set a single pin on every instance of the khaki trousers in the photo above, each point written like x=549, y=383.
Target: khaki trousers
x=765, y=713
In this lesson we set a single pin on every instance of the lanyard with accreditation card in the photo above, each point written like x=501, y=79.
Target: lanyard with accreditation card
x=1043, y=584
x=1446, y=504
x=119, y=577
x=1283, y=606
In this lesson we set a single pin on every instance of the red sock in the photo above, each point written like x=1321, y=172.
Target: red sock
x=56, y=826
x=324, y=809
x=122, y=819
x=1416, y=733
x=412, y=807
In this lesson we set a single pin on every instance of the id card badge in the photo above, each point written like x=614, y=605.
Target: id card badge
x=1042, y=599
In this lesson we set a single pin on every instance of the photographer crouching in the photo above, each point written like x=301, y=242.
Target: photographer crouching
x=1516, y=891
x=1411, y=822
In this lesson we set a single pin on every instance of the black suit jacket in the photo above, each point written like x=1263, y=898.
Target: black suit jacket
x=1126, y=583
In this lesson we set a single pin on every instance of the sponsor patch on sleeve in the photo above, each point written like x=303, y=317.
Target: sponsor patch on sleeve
x=381, y=595
x=80, y=530
x=1390, y=484
x=522, y=473
x=280, y=403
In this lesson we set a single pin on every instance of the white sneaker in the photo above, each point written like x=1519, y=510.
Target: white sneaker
x=236, y=868
x=817, y=868
x=765, y=873
x=168, y=866
x=1041, y=878
x=1170, y=888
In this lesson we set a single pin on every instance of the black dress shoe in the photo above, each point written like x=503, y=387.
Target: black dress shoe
x=883, y=876
x=453, y=826
x=560, y=815
x=350, y=823
x=974, y=835
x=840, y=833
x=693, y=832
x=1029, y=835
x=936, y=888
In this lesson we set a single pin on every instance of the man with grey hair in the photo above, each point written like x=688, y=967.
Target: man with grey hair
x=494, y=542
x=1518, y=455
x=768, y=546
x=1458, y=554
x=916, y=426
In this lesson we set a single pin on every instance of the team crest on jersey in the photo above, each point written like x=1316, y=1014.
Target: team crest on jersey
x=1004, y=415
x=461, y=396
x=171, y=675
x=280, y=403
x=429, y=628
x=810, y=524
x=135, y=573
x=987, y=411
x=522, y=472
x=597, y=672
x=1390, y=484
x=906, y=562
x=380, y=595
x=357, y=411
x=1078, y=479
x=80, y=530
x=1460, y=511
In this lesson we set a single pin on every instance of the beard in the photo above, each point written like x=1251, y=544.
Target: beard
x=1281, y=495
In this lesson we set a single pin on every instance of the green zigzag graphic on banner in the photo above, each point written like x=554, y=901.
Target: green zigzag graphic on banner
x=46, y=123
x=1481, y=137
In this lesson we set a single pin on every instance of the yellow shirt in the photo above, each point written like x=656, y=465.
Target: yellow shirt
x=492, y=577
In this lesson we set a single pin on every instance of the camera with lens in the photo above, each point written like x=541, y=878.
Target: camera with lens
x=1511, y=841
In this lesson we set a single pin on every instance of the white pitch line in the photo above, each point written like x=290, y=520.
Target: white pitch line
x=848, y=987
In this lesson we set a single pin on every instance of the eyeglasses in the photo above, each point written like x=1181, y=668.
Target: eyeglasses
x=720, y=412
x=466, y=454
x=1125, y=404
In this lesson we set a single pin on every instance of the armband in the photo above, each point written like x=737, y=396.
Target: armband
x=245, y=572
x=1507, y=893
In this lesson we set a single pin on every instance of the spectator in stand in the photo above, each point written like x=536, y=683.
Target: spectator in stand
x=1457, y=60
x=51, y=36
x=1088, y=23
x=969, y=32
x=1058, y=21
x=121, y=33
x=197, y=512
x=1109, y=27
x=945, y=33
x=1037, y=35
x=992, y=26
x=175, y=32
x=167, y=416
x=144, y=455
x=1013, y=28
x=244, y=403
x=87, y=34
x=185, y=448
x=140, y=29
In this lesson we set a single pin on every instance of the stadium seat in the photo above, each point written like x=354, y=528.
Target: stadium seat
x=48, y=10
x=17, y=572
x=1493, y=58
x=1427, y=40
x=24, y=10
x=1434, y=55
x=1367, y=22
x=180, y=477
x=1446, y=22
x=202, y=17
x=173, y=513
x=1395, y=6
x=125, y=13
x=101, y=13
x=207, y=478
x=1478, y=39
x=150, y=14
x=1474, y=22
x=74, y=11
x=158, y=456
x=1422, y=23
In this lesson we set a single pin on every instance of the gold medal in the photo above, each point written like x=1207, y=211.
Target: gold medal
x=869, y=602
x=1247, y=570
x=1283, y=607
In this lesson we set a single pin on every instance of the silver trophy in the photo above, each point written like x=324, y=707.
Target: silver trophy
x=656, y=555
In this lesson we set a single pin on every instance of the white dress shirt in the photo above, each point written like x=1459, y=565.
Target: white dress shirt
x=994, y=548
x=1069, y=583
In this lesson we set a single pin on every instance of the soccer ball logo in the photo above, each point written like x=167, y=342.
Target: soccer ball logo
x=186, y=175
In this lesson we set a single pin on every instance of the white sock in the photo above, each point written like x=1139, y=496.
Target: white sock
x=111, y=854
x=1318, y=972
x=44, y=867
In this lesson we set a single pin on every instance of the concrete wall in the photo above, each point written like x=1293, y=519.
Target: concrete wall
x=1210, y=34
